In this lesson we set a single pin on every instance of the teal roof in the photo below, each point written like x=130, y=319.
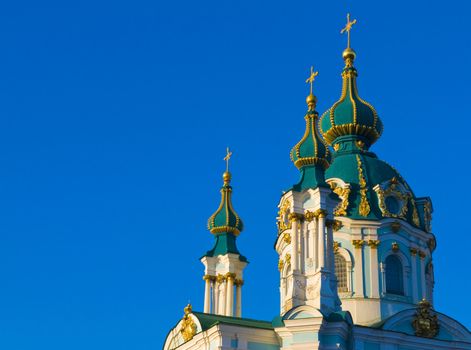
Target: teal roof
x=350, y=115
x=225, y=219
x=225, y=243
x=210, y=320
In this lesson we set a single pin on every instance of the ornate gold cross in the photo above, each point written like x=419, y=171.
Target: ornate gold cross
x=312, y=77
x=348, y=28
x=227, y=158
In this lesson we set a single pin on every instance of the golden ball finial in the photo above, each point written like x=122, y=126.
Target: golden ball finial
x=226, y=177
x=349, y=55
x=311, y=101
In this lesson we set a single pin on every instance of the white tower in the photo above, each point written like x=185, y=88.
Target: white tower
x=224, y=264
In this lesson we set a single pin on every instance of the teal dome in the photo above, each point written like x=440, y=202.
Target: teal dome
x=311, y=149
x=350, y=115
x=225, y=219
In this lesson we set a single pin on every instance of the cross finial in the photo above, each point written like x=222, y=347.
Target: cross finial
x=348, y=28
x=227, y=158
x=312, y=77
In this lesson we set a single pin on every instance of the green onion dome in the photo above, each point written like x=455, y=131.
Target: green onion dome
x=350, y=116
x=225, y=219
x=311, y=149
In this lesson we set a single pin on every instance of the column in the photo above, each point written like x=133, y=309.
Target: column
x=307, y=251
x=358, y=271
x=216, y=296
x=239, y=284
x=374, y=270
x=415, y=280
x=321, y=239
x=294, y=241
x=382, y=268
x=330, y=249
x=207, y=293
x=422, y=274
x=230, y=294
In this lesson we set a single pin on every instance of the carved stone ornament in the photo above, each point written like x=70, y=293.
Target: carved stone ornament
x=425, y=323
x=188, y=328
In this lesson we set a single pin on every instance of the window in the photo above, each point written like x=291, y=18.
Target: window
x=341, y=273
x=394, y=277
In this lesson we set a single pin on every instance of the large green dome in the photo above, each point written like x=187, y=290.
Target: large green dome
x=350, y=115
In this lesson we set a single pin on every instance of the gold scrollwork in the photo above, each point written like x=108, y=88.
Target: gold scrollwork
x=188, y=327
x=373, y=243
x=287, y=238
x=283, y=222
x=309, y=216
x=280, y=264
x=425, y=323
x=415, y=214
x=364, y=208
x=428, y=216
x=336, y=247
x=343, y=193
x=392, y=190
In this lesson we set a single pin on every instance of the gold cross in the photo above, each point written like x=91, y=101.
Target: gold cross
x=312, y=77
x=227, y=158
x=348, y=28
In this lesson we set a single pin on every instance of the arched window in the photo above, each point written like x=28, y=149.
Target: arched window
x=341, y=273
x=394, y=275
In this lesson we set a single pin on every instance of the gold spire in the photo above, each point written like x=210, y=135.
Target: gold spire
x=311, y=99
x=348, y=28
x=227, y=175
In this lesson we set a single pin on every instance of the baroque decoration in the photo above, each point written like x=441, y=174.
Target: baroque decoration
x=188, y=327
x=343, y=193
x=425, y=323
x=364, y=205
x=393, y=192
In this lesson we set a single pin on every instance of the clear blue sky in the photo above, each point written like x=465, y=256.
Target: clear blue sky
x=114, y=119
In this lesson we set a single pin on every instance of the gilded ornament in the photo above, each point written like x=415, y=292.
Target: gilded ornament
x=432, y=244
x=396, y=226
x=283, y=223
x=320, y=213
x=343, y=193
x=413, y=251
x=287, y=238
x=392, y=191
x=188, y=327
x=428, y=216
x=280, y=265
x=288, y=259
x=360, y=144
x=336, y=247
x=336, y=147
x=425, y=322
x=373, y=243
x=230, y=276
x=358, y=243
x=422, y=254
x=239, y=282
x=337, y=225
x=395, y=247
x=220, y=278
x=415, y=214
x=294, y=217
x=364, y=208
x=309, y=216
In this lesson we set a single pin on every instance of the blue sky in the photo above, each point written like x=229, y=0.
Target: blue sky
x=114, y=119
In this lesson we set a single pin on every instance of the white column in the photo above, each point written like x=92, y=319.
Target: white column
x=239, y=298
x=415, y=281
x=230, y=294
x=382, y=267
x=422, y=274
x=207, y=293
x=358, y=271
x=374, y=270
x=294, y=235
x=321, y=240
x=307, y=251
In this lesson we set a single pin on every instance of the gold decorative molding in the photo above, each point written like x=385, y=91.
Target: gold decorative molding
x=309, y=216
x=320, y=213
x=395, y=247
x=392, y=191
x=220, y=278
x=283, y=223
x=337, y=225
x=360, y=144
x=343, y=193
x=428, y=216
x=280, y=264
x=415, y=214
x=425, y=323
x=209, y=278
x=336, y=247
x=364, y=208
x=413, y=251
x=358, y=243
x=288, y=259
x=287, y=238
x=188, y=327
x=230, y=276
x=432, y=244
x=373, y=243
x=422, y=254
x=239, y=282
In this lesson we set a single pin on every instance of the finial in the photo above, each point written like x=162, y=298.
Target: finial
x=348, y=54
x=188, y=309
x=311, y=99
x=227, y=175
x=348, y=28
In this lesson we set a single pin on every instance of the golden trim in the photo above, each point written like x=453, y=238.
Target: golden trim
x=343, y=193
x=373, y=243
x=188, y=327
x=358, y=243
x=350, y=129
x=336, y=246
x=364, y=208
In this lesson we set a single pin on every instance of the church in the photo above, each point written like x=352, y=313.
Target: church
x=355, y=248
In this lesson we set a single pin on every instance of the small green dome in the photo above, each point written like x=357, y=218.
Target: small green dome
x=350, y=115
x=311, y=149
x=225, y=219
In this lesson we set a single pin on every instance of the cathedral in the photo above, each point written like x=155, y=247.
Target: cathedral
x=355, y=249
